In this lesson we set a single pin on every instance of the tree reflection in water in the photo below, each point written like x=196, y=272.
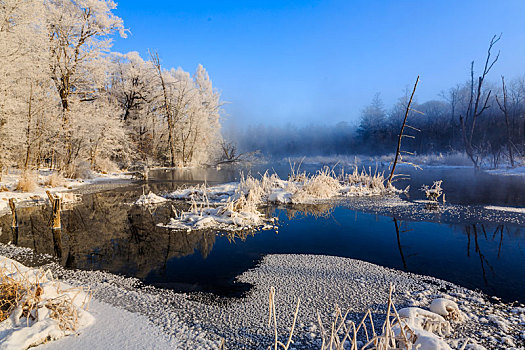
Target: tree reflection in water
x=106, y=232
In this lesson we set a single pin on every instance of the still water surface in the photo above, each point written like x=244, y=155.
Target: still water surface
x=106, y=232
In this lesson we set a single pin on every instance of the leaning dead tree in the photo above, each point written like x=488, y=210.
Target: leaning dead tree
x=55, y=222
x=478, y=103
x=504, y=108
x=399, y=157
x=14, y=221
x=230, y=155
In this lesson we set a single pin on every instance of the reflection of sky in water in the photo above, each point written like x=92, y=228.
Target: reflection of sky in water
x=486, y=257
x=464, y=245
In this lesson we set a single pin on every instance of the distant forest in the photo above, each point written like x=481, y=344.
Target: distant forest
x=490, y=127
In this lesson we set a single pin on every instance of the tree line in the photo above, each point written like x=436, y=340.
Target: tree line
x=67, y=101
x=481, y=118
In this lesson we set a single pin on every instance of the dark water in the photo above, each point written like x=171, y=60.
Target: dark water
x=106, y=232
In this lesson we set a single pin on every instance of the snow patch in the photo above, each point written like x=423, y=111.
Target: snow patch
x=506, y=209
x=150, y=199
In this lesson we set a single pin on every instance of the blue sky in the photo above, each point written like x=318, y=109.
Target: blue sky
x=306, y=62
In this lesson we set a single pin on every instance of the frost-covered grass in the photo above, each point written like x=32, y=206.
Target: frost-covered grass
x=404, y=329
x=35, y=309
x=235, y=206
x=433, y=192
x=457, y=159
x=26, y=182
x=517, y=171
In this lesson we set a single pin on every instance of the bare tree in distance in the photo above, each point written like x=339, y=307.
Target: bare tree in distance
x=230, y=154
x=504, y=108
x=477, y=104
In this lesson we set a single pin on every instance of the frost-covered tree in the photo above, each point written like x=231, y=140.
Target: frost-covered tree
x=24, y=82
x=79, y=36
x=206, y=134
x=133, y=89
x=191, y=109
x=66, y=100
x=373, y=121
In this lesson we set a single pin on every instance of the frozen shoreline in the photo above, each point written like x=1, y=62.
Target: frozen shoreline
x=66, y=190
x=203, y=321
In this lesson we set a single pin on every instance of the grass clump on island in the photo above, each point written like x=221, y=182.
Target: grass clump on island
x=235, y=206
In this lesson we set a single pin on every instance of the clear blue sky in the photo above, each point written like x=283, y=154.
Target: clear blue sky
x=281, y=61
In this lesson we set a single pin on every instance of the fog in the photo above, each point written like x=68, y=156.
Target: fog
x=496, y=133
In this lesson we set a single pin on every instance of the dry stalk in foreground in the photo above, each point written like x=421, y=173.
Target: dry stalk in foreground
x=396, y=334
x=278, y=344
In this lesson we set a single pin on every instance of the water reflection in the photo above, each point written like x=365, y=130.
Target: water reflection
x=319, y=210
x=399, y=246
x=492, y=235
x=106, y=232
x=492, y=258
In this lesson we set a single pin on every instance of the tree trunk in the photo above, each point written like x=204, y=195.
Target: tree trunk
x=28, y=130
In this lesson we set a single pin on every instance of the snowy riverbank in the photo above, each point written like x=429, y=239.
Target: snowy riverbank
x=35, y=187
x=322, y=282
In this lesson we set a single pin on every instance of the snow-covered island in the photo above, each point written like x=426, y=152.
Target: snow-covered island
x=235, y=206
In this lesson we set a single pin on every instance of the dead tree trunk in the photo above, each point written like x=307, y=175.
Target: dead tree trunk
x=503, y=107
x=56, y=203
x=56, y=226
x=400, y=136
x=14, y=221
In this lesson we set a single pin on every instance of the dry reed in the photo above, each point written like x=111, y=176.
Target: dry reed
x=395, y=332
x=26, y=183
x=55, y=180
x=22, y=297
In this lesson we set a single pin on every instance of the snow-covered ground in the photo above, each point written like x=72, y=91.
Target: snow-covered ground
x=115, y=328
x=506, y=209
x=517, y=171
x=43, y=182
x=128, y=315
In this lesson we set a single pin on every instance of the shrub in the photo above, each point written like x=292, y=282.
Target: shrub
x=27, y=182
x=55, y=180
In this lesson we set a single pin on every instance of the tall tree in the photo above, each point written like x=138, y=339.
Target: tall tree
x=78, y=37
